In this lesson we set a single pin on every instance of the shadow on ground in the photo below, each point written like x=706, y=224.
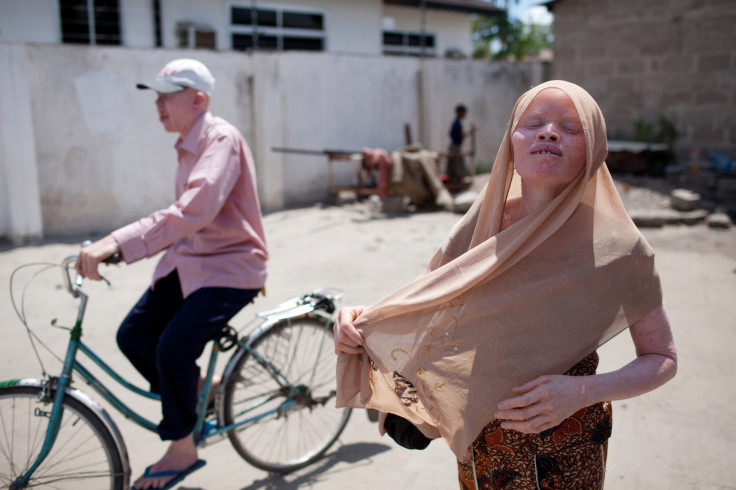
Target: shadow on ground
x=351, y=454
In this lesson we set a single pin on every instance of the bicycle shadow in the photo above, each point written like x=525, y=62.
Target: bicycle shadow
x=358, y=453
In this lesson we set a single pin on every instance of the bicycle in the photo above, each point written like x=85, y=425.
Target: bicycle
x=272, y=403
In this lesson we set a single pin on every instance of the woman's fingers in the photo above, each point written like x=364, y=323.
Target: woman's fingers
x=542, y=404
x=347, y=337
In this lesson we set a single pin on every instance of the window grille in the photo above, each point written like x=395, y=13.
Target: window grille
x=408, y=43
x=276, y=29
x=90, y=22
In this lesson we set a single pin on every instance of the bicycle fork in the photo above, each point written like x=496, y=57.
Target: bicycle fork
x=59, y=384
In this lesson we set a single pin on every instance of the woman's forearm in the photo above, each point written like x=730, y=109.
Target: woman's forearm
x=642, y=375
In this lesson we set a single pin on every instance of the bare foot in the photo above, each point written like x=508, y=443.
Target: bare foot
x=180, y=455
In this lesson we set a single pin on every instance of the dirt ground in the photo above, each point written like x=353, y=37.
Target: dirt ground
x=682, y=436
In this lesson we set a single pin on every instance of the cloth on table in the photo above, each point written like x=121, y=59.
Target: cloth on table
x=414, y=174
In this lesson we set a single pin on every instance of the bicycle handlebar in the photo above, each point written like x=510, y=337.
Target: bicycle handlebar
x=67, y=263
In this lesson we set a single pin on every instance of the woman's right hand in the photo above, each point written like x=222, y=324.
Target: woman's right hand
x=91, y=255
x=347, y=337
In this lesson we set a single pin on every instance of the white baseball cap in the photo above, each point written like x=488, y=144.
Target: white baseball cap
x=181, y=74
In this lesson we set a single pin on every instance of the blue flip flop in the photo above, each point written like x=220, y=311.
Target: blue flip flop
x=178, y=475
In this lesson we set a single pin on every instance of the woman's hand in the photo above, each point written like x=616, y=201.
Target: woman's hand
x=347, y=337
x=542, y=403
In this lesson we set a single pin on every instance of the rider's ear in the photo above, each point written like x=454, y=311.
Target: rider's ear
x=201, y=100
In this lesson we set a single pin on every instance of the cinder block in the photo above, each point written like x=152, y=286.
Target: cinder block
x=647, y=219
x=684, y=200
x=719, y=220
x=694, y=217
x=392, y=204
x=346, y=197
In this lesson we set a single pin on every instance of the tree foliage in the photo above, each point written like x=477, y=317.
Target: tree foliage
x=501, y=38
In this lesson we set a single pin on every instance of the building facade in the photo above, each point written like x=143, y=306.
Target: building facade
x=396, y=27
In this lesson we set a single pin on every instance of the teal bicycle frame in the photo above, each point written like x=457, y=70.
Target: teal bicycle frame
x=203, y=429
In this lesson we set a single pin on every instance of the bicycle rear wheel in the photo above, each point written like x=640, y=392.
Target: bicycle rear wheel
x=84, y=455
x=304, y=422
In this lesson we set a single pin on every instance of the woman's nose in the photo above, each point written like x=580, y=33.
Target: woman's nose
x=548, y=132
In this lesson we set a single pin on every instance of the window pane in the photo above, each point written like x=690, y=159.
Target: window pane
x=244, y=16
x=107, y=22
x=241, y=42
x=268, y=42
x=299, y=20
x=414, y=39
x=74, y=21
x=241, y=16
x=393, y=38
x=303, y=43
x=266, y=18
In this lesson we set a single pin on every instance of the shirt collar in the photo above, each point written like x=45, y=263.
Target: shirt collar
x=191, y=142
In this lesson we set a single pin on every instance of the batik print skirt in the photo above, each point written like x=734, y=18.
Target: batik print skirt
x=570, y=456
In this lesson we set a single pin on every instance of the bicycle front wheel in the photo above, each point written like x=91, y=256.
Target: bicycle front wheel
x=293, y=424
x=84, y=455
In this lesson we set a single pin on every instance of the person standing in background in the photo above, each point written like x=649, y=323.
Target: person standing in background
x=456, y=170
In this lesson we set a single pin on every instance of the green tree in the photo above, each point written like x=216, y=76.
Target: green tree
x=501, y=38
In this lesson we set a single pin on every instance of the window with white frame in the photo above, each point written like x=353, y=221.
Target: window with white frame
x=279, y=29
x=408, y=43
x=90, y=21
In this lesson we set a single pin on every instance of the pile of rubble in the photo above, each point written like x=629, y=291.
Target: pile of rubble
x=650, y=201
x=653, y=202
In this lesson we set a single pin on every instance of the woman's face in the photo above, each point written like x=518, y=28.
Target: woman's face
x=548, y=142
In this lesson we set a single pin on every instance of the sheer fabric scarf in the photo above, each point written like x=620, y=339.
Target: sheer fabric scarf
x=496, y=309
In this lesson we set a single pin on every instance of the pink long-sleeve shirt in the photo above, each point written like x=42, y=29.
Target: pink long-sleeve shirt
x=212, y=233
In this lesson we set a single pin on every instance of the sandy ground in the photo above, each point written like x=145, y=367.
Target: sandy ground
x=682, y=436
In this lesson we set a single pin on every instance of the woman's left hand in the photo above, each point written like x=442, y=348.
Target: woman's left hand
x=542, y=403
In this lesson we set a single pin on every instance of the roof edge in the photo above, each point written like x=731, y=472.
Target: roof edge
x=466, y=6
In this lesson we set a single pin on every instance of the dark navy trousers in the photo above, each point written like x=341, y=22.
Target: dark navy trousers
x=164, y=335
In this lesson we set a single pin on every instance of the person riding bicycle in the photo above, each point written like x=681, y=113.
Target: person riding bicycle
x=214, y=265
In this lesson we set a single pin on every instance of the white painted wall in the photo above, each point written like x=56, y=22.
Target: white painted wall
x=102, y=158
x=340, y=102
x=32, y=21
x=137, y=23
x=20, y=206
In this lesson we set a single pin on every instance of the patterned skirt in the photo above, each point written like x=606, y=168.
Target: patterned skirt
x=569, y=456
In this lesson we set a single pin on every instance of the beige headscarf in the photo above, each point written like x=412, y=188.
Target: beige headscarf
x=496, y=309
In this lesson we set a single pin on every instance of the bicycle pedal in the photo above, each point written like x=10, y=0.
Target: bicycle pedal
x=209, y=426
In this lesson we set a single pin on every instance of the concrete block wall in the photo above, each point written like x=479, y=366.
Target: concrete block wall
x=95, y=157
x=655, y=58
